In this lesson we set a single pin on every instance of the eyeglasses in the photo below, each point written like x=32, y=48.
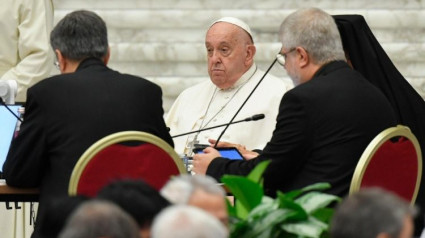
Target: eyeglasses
x=56, y=64
x=281, y=58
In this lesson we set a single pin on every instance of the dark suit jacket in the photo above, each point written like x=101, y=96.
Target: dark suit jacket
x=322, y=128
x=66, y=114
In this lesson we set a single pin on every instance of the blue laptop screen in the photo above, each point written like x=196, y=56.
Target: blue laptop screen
x=7, y=130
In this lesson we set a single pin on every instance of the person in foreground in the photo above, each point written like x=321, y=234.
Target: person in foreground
x=198, y=191
x=67, y=113
x=233, y=76
x=182, y=221
x=373, y=213
x=324, y=123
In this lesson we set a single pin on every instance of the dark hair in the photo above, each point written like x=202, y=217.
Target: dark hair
x=137, y=198
x=79, y=35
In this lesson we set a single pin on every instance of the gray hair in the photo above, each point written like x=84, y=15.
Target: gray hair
x=370, y=212
x=316, y=32
x=179, y=189
x=98, y=218
x=79, y=35
x=181, y=221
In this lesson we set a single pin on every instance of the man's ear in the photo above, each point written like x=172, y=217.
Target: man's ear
x=303, y=57
x=61, y=59
x=106, y=58
x=250, y=52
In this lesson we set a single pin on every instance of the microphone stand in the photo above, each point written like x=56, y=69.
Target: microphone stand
x=253, y=118
x=243, y=104
x=7, y=107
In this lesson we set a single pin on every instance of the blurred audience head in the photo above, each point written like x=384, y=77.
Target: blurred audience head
x=138, y=199
x=373, y=213
x=199, y=191
x=182, y=221
x=97, y=218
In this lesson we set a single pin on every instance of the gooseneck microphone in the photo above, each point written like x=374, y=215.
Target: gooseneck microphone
x=255, y=117
x=7, y=107
x=243, y=104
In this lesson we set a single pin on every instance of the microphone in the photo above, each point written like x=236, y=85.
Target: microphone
x=243, y=104
x=7, y=107
x=255, y=117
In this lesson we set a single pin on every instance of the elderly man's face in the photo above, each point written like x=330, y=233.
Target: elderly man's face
x=290, y=65
x=228, y=54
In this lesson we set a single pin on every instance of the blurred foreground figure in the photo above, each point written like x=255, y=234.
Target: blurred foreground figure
x=100, y=219
x=182, y=221
x=373, y=213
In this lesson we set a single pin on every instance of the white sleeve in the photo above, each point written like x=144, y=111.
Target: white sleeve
x=33, y=44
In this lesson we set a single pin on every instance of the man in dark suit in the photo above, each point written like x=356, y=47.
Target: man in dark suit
x=66, y=114
x=324, y=123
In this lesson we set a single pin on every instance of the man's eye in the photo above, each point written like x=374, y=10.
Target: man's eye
x=225, y=51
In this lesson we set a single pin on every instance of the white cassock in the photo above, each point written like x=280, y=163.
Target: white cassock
x=204, y=105
x=25, y=52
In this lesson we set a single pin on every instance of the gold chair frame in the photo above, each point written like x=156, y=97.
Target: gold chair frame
x=117, y=138
x=374, y=145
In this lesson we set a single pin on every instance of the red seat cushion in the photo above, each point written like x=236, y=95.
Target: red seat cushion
x=393, y=167
x=145, y=161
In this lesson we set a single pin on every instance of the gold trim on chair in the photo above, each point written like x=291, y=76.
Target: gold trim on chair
x=374, y=145
x=117, y=138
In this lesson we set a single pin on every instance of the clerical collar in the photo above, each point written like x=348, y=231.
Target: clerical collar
x=243, y=79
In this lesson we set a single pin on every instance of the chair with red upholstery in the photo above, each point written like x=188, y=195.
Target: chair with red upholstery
x=392, y=161
x=125, y=155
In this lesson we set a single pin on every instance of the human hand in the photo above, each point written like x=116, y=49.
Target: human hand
x=202, y=161
x=247, y=154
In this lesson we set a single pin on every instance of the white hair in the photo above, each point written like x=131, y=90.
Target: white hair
x=182, y=221
x=316, y=32
x=180, y=188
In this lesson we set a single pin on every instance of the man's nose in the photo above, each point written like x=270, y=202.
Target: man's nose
x=215, y=57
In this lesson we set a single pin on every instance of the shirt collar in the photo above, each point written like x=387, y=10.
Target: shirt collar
x=89, y=62
x=330, y=67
